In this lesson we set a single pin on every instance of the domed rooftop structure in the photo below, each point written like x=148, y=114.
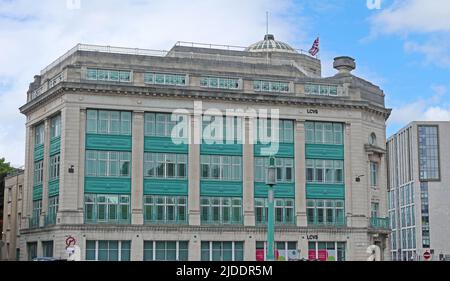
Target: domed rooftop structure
x=269, y=44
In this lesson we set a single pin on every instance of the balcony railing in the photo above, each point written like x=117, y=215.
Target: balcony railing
x=379, y=223
x=340, y=223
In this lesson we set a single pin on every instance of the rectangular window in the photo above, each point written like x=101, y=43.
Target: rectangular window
x=165, y=166
x=222, y=129
x=54, y=167
x=265, y=130
x=166, y=250
x=219, y=82
x=38, y=172
x=108, y=122
x=47, y=249
x=429, y=166
x=218, y=167
x=270, y=86
x=284, y=211
x=108, y=163
x=324, y=133
x=325, y=212
x=55, y=127
x=326, y=251
x=285, y=169
x=221, y=210
x=108, y=250
x=36, y=213
x=165, y=209
x=222, y=251
x=162, y=124
x=108, y=75
x=53, y=203
x=322, y=90
x=373, y=174
x=284, y=251
x=324, y=171
x=103, y=208
x=39, y=134
x=165, y=79
x=31, y=250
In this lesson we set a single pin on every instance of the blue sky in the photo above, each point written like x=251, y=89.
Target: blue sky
x=404, y=46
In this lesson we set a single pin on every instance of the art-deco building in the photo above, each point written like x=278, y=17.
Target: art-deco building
x=102, y=166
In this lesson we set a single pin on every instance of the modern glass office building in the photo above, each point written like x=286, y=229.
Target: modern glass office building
x=418, y=191
x=103, y=164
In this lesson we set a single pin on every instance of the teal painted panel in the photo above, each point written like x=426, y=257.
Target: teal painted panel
x=108, y=142
x=281, y=190
x=37, y=192
x=325, y=151
x=220, y=188
x=325, y=191
x=39, y=152
x=165, y=187
x=284, y=149
x=55, y=146
x=164, y=145
x=221, y=149
x=53, y=188
x=107, y=185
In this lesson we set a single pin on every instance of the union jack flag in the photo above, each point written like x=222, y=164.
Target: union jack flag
x=315, y=48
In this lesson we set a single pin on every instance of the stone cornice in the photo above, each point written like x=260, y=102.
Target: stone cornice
x=204, y=94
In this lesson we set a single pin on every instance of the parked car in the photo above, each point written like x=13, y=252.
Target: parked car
x=46, y=259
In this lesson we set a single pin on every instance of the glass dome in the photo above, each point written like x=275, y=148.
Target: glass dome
x=269, y=44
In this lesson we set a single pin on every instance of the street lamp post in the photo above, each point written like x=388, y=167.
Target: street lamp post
x=271, y=181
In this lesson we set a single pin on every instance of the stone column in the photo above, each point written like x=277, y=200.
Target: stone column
x=248, y=176
x=137, y=248
x=82, y=155
x=194, y=171
x=348, y=174
x=194, y=250
x=250, y=248
x=300, y=173
x=46, y=169
x=137, y=175
x=70, y=156
x=28, y=177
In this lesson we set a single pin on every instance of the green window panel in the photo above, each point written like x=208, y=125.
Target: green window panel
x=285, y=169
x=282, y=150
x=108, y=250
x=54, y=167
x=108, y=142
x=166, y=250
x=53, y=204
x=165, y=166
x=55, y=146
x=271, y=86
x=39, y=132
x=324, y=171
x=107, y=208
x=107, y=185
x=165, y=79
x=114, y=164
x=221, y=210
x=324, y=151
x=36, y=213
x=220, y=188
x=37, y=192
x=282, y=190
x=108, y=75
x=53, y=188
x=165, y=209
x=265, y=130
x=162, y=125
x=108, y=122
x=38, y=173
x=31, y=250
x=219, y=82
x=55, y=127
x=325, y=212
x=321, y=90
x=222, y=251
x=165, y=187
x=324, y=133
x=39, y=152
x=164, y=145
x=222, y=129
x=221, y=167
x=325, y=191
x=47, y=249
x=284, y=211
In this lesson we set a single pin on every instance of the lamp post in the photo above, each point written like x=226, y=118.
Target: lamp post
x=271, y=181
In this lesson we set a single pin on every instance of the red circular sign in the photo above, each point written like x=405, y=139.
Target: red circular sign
x=427, y=255
x=70, y=241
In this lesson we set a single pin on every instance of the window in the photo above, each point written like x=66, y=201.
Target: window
x=324, y=133
x=39, y=135
x=222, y=251
x=31, y=250
x=270, y=86
x=165, y=166
x=165, y=209
x=54, y=167
x=47, y=249
x=161, y=124
x=166, y=250
x=38, y=172
x=36, y=213
x=102, y=208
x=108, y=122
x=221, y=210
x=373, y=174
x=429, y=168
x=321, y=90
x=165, y=79
x=285, y=169
x=219, y=82
x=326, y=251
x=222, y=129
x=325, y=212
x=375, y=210
x=108, y=75
x=55, y=127
x=324, y=171
x=373, y=139
x=284, y=251
x=108, y=163
x=108, y=250
x=285, y=130
x=217, y=167
x=284, y=211
x=53, y=203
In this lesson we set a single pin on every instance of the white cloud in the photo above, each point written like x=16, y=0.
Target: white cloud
x=34, y=33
